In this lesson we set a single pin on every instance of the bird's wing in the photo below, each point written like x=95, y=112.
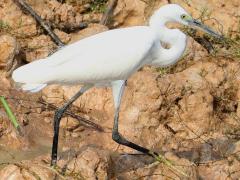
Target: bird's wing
x=107, y=56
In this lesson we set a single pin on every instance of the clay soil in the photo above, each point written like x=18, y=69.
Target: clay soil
x=190, y=113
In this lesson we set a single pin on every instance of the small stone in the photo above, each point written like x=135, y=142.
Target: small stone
x=8, y=49
x=75, y=134
x=47, y=120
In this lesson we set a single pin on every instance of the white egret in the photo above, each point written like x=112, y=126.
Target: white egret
x=108, y=59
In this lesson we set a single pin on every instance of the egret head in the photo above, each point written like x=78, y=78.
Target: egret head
x=175, y=13
x=184, y=18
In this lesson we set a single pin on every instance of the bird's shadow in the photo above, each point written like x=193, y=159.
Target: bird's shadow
x=212, y=151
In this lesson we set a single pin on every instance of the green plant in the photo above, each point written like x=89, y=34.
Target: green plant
x=162, y=71
x=4, y=25
x=11, y=116
x=98, y=6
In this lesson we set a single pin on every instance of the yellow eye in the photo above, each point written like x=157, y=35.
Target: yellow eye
x=183, y=16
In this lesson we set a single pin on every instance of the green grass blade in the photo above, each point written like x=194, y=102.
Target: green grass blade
x=10, y=114
x=169, y=164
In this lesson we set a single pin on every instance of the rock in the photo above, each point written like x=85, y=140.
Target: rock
x=92, y=163
x=157, y=171
x=53, y=94
x=129, y=12
x=12, y=172
x=65, y=16
x=64, y=37
x=201, y=103
x=223, y=170
x=48, y=120
x=16, y=21
x=68, y=122
x=23, y=171
x=8, y=49
x=91, y=30
x=42, y=171
x=39, y=47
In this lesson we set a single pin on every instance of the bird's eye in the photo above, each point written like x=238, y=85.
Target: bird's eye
x=183, y=16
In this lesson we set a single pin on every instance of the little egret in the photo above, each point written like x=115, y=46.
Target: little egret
x=108, y=59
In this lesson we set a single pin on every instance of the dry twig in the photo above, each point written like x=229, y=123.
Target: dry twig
x=109, y=11
x=80, y=119
x=41, y=22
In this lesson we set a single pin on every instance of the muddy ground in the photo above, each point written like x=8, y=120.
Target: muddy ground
x=189, y=112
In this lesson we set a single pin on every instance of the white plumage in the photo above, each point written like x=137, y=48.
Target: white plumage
x=111, y=55
x=101, y=58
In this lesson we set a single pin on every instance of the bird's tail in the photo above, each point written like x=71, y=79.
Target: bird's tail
x=33, y=76
x=33, y=87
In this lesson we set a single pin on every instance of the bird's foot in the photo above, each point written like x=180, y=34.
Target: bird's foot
x=170, y=164
x=53, y=163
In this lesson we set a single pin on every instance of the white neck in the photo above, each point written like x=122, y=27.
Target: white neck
x=174, y=37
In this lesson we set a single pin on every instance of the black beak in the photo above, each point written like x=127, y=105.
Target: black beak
x=205, y=28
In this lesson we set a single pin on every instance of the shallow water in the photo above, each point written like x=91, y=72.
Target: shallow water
x=12, y=155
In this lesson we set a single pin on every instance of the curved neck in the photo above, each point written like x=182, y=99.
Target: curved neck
x=174, y=37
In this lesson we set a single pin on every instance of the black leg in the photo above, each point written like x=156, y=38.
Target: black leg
x=57, y=119
x=118, y=89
